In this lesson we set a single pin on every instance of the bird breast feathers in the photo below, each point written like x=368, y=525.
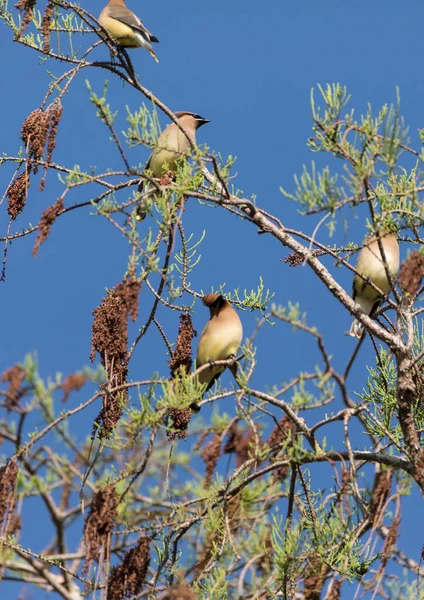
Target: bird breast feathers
x=161, y=157
x=170, y=148
x=371, y=266
x=115, y=25
x=219, y=341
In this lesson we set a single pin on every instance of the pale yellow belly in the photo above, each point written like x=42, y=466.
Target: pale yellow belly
x=163, y=160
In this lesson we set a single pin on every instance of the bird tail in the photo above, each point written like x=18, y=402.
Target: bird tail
x=144, y=206
x=356, y=329
x=369, y=306
x=154, y=55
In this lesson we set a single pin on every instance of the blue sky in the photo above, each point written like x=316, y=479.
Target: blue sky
x=249, y=68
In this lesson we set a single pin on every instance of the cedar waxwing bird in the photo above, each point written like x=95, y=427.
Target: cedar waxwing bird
x=125, y=27
x=372, y=268
x=220, y=339
x=172, y=145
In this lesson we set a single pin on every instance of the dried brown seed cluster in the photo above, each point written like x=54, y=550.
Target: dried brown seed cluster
x=344, y=488
x=181, y=357
x=126, y=580
x=314, y=582
x=167, y=178
x=38, y=131
x=240, y=443
x=180, y=592
x=73, y=382
x=210, y=454
x=100, y=522
x=334, y=592
x=283, y=434
x=14, y=377
x=111, y=412
x=17, y=194
x=411, y=274
x=380, y=492
x=47, y=219
x=128, y=290
x=45, y=27
x=202, y=436
x=212, y=540
x=285, y=430
x=110, y=340
x=110, y=335
x=180, y=420
x=294, y=259
x=232, y=509
x=34, y=135
x=28, y=7
x=390, y=541
x=55, y=112
x=14, y=525
x=8, y=476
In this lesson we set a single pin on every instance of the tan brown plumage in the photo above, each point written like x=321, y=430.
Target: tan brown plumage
x=126, y=28
x=371, y=266
x=171, y=147
x=220, y=339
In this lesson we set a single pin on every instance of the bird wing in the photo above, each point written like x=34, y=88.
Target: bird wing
x=205, y=330
x=146, y=167
x=212, y=382
x=127, y=17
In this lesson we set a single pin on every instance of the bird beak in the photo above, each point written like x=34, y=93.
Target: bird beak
x=201, y=122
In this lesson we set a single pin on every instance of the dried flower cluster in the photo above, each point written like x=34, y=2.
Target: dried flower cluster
x=26, y=6
x=47, y=219
x=294, y=259
x=128, y=290
x=181, y=357
x=110, y=340
x=334, y=592
x=54, y=114
x=411, y=274
x=315, y=571
x=390, y=541
x=14, y=377
x=13, y=525
x=73, y=382
x=126, y=580
x=109, y=331
x=181, y=362
x=99, y=523
x=180, y=592
x=17, y=194
x=180, y=420
x=282, y=435
x=210, y=454
x=45, y=27
x=239, y=442
x=39, y=131
x=8, y=476
x=34, y=133
x=380, y=493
